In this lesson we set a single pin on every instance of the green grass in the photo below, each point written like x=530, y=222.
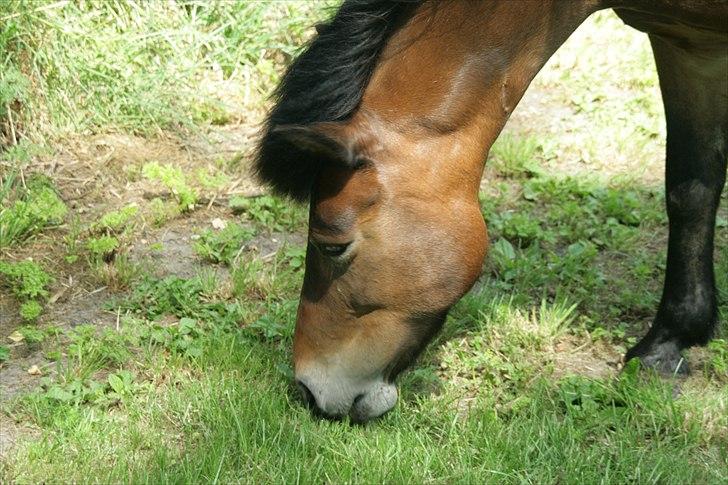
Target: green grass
x=271, y=212
x=514, y=156
x=226, y=413
x=191, y=381
x=575, y=230
x=143, y=67
x=174, y=179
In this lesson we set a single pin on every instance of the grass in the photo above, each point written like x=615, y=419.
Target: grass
x=185, y=375
x=213, y=428
x=141, y=67
x=576, y=230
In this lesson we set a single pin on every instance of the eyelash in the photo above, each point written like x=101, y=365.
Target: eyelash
x=333, y=250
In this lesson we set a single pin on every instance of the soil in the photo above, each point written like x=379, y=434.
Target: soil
x=595, y=360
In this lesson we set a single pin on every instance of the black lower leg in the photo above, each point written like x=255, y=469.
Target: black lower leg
x=688, y=309
x=697, y=146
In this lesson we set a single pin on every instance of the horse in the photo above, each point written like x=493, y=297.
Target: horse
x=383, y=123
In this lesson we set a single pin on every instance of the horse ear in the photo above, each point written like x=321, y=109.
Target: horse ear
x=325, y=139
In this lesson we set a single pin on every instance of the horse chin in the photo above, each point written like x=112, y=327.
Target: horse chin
x=380, y=399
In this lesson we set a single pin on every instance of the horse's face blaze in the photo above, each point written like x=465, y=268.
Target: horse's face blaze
x=384, y=264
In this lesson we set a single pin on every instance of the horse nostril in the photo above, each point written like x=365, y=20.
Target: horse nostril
x=307, y=394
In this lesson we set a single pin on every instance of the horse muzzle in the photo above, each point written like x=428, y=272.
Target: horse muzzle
x=334, y=400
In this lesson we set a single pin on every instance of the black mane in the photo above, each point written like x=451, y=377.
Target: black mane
x=325, y=83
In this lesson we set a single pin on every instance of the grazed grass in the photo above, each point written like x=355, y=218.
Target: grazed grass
x=226, y=412
x=192, y=381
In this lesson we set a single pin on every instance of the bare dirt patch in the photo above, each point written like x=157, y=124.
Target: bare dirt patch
x=94, y=173
x=588, y=359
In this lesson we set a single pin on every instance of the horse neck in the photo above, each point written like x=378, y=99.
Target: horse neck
x=448, y=80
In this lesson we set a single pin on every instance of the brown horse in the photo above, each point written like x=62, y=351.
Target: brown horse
x=383, y=124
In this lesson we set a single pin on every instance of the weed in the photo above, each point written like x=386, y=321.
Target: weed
x=516, y=157
x=106, y=257
x=4, y=353
x=174, y=179
x=32, y=335
x=209, y=283
x=586, y=397
x=182, y=298
x=520, y=228
x=20, y=154
x=162, y=212
x=270, y=212
x=211, y=180
x=78, y=391
x=573, y=230
x=118, y=220
x=718, y=349
x=90, y=349
x=102, y=249
x=29, y=283
x=553, y=319
x=295, y=256
x=274, y=324
x=184, y=337
x=26, y=210
x=617, y=334
x=71, y=240
x=249, y=279
x=30, y=310
x=119, y=273
x=121, y=383
x=224, y=245
x=14, y=88
x=14, y=92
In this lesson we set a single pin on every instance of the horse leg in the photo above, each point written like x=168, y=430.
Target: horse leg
x=694, y=84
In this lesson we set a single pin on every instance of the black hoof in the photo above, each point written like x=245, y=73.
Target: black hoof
x=663, y=357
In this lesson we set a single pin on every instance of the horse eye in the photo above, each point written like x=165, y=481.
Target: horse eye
x=333, y=250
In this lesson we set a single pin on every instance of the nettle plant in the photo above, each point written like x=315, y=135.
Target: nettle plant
x=26, y=209
x=174, y=179
x=29, y=282
x=105, y=243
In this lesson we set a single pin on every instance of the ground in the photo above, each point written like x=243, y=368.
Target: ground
x=166, y=355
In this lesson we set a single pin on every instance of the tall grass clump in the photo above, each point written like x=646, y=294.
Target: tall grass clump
x=140, y=67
